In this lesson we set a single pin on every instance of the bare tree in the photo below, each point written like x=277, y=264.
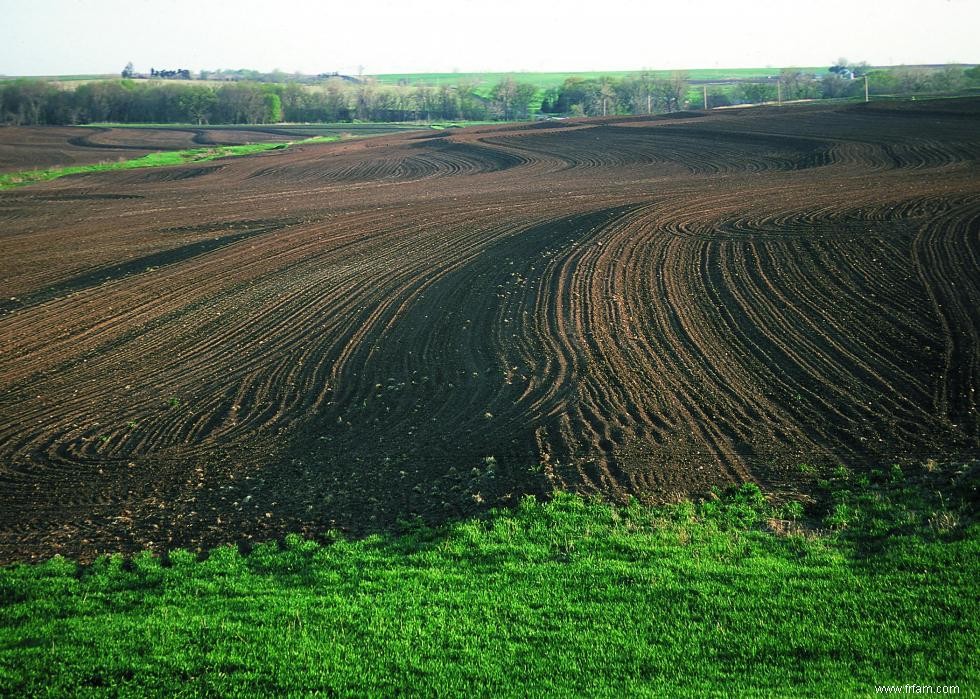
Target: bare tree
x=423, y=102
x=795, y=85
x=669, y=94
x=366, y=100
x=607, y=95
x=644, y=91
x=513, y=99
x=447, y=103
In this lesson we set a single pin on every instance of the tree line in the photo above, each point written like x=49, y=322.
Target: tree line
x=33, y=102
x=36, y=102
x=605, y=96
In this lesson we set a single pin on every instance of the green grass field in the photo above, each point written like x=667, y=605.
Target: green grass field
x=875, y=583
x=542, y=80
x=62, y=78
x=161, y=159
x=547, y=81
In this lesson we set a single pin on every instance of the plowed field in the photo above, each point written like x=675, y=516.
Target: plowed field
x=345, y=335
x=27, y=148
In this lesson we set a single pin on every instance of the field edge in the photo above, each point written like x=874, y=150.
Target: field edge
x=699, y=596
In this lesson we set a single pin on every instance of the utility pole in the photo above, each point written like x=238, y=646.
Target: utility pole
x=866, y=88
x=779, y=92
x=705, y=97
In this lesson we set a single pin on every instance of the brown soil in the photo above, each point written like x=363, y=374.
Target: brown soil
x=345, y=335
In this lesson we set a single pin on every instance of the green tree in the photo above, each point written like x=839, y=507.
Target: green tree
x=366, y=100
x=513, y=99
x=606, y=96
x=197, y=101
x=273, y=108
x=295, y=102
x=669, y=93
x=574, y=93
x=241, y=103
x=471, y=105
x=447, y=104
x=796, y=85
x=834, y=85
x=639, y=93
x=911, y=80
x=755, y=93
x=422, y=100
x=25, y=102
x=948, y=79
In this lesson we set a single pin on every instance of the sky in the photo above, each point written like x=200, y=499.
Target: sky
x=64, y=37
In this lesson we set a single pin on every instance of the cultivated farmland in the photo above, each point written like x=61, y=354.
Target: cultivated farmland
x=349, y=334
x=25, y=148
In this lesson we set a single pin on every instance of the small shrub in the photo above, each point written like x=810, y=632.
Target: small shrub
x=896, y=474
x=792, y=510
x=840, y=516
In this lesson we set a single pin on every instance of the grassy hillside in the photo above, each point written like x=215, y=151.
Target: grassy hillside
x=162, y=159
x=543, y=80
x=873, y=584
x=547, y=81
x=63, y=78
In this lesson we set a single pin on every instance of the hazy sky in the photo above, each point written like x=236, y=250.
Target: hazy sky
x=43, y=37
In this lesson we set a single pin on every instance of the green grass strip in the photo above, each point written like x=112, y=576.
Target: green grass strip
x=876, y=584
x=161, y=159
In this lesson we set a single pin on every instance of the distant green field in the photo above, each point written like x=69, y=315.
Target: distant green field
x=874, y=584
x=543, y=80
x=61, y=78
x=547, y=81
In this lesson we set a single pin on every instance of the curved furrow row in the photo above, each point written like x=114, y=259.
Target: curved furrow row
x=857, y=136
x=450, y=373
x=879, y=352
x=199, y=418
x=411, y=162
x=812, y=366
x=167, y=174
x=811, y=355
x=677, y=148
x=827, y=332
x=145, y=297
x=634, y=340
x=654, y=400
x=946, y=253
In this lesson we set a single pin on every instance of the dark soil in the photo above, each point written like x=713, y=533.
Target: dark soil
x=347, y=335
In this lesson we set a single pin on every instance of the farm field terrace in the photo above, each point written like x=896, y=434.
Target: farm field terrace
x=32, y=148
x=427, y=325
